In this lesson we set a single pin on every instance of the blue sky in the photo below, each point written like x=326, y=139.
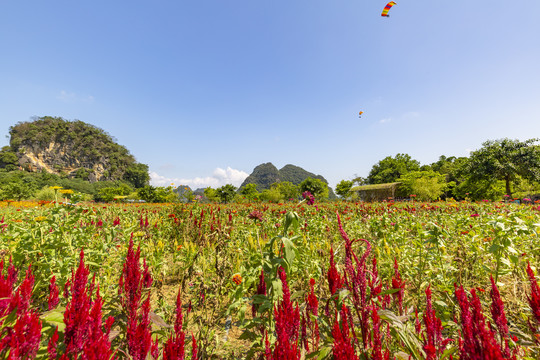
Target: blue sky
x=203, y=91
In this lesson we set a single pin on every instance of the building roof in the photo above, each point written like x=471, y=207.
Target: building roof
x=375, y=186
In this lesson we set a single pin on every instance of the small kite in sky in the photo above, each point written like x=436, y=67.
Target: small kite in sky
x=387, y=8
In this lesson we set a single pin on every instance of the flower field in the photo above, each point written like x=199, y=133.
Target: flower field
x=335, y=280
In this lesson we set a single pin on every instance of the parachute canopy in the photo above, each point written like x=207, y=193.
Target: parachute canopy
x=360, y=113
x=387, y=8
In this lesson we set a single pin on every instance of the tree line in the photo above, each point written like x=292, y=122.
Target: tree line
x=503, y=167
x=500, y=167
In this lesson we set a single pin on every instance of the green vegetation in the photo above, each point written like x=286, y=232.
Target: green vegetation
x=500, y=167
x=83, y=147
x=265, y=176
x=78, y=149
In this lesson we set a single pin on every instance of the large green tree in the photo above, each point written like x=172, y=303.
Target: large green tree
x=506, y=160
x=287, y=190
x=137, y=175
x=316, y=187
x=390, y=169
x=343, y=188
x=250, y=191
x=226, y=193
x=426, y=185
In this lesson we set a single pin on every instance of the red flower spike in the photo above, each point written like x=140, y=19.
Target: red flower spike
x=497, y=310
x=534, y=298
x=53, y=294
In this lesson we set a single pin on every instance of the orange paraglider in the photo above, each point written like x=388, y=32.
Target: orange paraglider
x=360, y=114
x=387, y=8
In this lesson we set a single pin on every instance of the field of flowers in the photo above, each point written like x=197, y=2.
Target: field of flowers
x=336, y=280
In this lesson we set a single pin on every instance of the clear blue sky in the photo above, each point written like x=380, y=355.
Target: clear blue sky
x=203, y=91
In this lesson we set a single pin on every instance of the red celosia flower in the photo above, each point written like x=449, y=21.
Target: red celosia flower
x=7, y=283
x=334, y=279
x=434, y=343
x=53, y=293
x=25, y=336
x=53, y=342
x=193, y=348
x=343, y=348
x=477, y=341
x=534, y=298
x=261, y=290
x=83, y=318
x=497, y=310
x=398, y=283
x=139, y=335
x=312, y=309
x=287, y=319
x=311, y=300
x=174, y=346
x=133, y=281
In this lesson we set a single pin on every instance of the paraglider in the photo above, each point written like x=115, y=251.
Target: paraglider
x=360, y=114
x=387, y=8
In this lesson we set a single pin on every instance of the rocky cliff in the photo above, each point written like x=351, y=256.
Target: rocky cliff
x=71, y=148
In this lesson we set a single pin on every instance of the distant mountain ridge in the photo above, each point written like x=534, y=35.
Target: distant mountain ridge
x=264, y=175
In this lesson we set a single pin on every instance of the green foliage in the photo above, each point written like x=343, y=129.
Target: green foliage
x=46, y=194
x=154, y=194
x=226, y=193
x=86, y=143
x=271, y=195
x=211, y=194
x=108, y=194
x=250, y=192
x=480, y=189
x=506, y=159
x=426, y=185
x=389, y=169
x=137, y=175
x=316, y=187
x=16, y=191
x=8, y=158
x=287, y=190
x=343, y=188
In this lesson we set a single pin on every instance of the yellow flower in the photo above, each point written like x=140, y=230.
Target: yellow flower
x=40, y=218
x=56, y=187
x=66, y=191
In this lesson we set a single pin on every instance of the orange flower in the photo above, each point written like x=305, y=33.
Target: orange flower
x=237, y=279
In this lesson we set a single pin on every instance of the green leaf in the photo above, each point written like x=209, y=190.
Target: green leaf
x=290, y=250
x=55, y=318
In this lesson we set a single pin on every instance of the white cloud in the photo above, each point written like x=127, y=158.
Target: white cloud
x=70, y=97
x=385, y=120
x=218, y=178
